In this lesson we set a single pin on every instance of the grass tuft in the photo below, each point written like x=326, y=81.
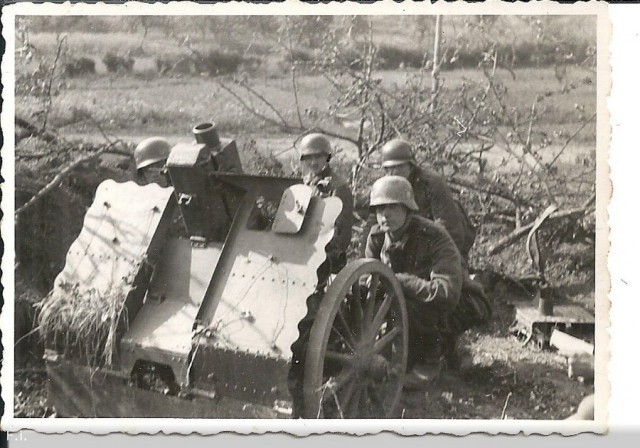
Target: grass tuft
x=84, y=322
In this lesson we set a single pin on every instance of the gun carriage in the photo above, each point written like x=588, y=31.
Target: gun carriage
x=202, y=287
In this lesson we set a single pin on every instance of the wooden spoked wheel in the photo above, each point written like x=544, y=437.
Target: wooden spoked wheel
x=357, y=350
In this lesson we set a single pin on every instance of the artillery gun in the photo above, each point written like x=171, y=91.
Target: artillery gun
x=198, y=291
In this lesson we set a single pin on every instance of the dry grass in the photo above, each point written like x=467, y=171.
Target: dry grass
x=84, y=321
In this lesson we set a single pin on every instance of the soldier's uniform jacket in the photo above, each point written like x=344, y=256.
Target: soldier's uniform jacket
x=436, y=202
x=425, y=260
x=327, y=183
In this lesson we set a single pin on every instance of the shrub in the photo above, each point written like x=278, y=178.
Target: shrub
x=79, y=67
x=392, y=57
x=116, y=63
x=216, y=62
x=184, y=65
x=254, y=162
x=299, y=55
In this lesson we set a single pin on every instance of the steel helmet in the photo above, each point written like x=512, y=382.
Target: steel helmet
x=392, y=190
x=312, y=144
x=150, y=151
x=396, y=152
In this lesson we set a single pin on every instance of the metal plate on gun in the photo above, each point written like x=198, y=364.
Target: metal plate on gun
x=292, y=209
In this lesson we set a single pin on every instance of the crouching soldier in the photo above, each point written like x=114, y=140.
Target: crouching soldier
x=315, y=154
x=441, y=303
x=431, y=192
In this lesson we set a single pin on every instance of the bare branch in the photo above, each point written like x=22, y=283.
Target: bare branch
x=49, y=99
x=34, y=131
x=251, y=90
x=285, y=126
x=574, y=135
x=56, y=180
x=293, y=73
x=521, y=231
x=493, y=190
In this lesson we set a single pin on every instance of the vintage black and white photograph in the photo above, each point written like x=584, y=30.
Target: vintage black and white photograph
x=318, y=216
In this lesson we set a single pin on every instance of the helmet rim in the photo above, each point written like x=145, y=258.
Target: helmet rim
x=149, y=162
x=396, y=162
x=392, y=190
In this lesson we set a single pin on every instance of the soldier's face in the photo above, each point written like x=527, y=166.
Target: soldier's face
x=404, y=170
x=391, y=217
x=154, y=174
x=313, y=164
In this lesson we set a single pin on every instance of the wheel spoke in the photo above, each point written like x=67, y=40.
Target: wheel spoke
x=376, y=401
x=349, y=334
x=353, y=405
x=363, y=405
x=344, y=398
x=371, y=299
x=336, y=383
x=341, y=358
x=332, y=396
x=356, y=309
x=355, y=291
x=382, y=343
x=381, y=313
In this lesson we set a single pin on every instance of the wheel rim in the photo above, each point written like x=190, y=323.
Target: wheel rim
x=357, y=352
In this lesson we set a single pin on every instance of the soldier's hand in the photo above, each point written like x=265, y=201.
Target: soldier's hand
x=403, y=277
x=415, y=288
x=406, y=281
x=324, y=185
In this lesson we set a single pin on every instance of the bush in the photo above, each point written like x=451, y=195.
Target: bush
x=79, y=67
x=300, y=55
x=217, y=62
x=392, y=57
x=184, y=65
x=254, y=162
x=351, y=57
x=116, y=63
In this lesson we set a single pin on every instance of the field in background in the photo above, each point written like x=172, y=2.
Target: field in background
x=145, y=101
x=132, y=108
x=91, y=35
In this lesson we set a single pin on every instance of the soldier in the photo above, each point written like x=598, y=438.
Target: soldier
x=150, y=156
x=441, y=302
x=315, y=155
x=432, y=195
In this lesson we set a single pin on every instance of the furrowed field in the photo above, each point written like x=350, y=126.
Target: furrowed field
x=521, y=127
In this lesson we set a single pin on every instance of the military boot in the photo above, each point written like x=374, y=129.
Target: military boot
x=427, y=369
x=455, y=354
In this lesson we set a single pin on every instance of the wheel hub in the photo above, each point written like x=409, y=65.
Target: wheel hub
x=368, y=363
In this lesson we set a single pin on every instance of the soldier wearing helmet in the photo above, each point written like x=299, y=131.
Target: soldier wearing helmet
x=150, y=157
x=440, y=302
x=431, y=192
x=315, y=154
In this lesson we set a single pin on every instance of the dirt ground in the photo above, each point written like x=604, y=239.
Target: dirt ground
x=500, y=379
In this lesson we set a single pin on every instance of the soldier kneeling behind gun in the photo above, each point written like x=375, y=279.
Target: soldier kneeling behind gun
x=315, y=155
x=442, y=301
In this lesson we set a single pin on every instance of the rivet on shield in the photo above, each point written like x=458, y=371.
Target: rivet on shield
x=246, y=315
